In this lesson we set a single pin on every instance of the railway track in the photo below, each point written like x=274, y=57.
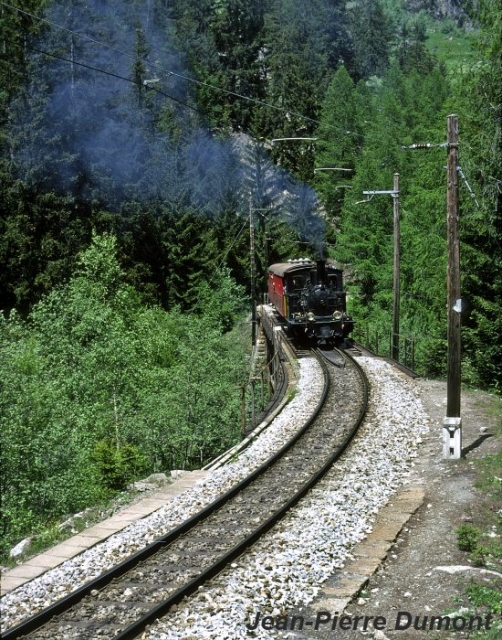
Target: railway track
x=127, y=598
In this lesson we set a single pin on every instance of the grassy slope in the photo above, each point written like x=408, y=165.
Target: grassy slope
x=455, y=49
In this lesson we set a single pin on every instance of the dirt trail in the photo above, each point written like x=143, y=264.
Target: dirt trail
x=409, y=580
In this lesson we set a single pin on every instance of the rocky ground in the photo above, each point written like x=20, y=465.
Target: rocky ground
x=422, y=574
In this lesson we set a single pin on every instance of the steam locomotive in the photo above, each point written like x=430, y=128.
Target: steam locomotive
x=310, y=298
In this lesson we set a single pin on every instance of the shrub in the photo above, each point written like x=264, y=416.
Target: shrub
x=117, y=466
x=467, y=537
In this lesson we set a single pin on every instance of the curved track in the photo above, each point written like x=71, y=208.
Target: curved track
x=124, y=600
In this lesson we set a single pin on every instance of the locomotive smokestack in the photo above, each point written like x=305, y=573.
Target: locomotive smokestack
x=321, y=264
x=320, y=251
x=321, y=271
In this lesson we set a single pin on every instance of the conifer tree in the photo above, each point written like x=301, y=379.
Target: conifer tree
x=372, y=37
x=339, y=141
x=482, y=219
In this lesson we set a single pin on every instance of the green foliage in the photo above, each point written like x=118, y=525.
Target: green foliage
x=41, y=234
x=403, y=108
x=304, y=44
x=372, y=36
x=88, y=357
x=480, y=103
x=220, y=300
x=467, y=537
x=15, y=29
x=484, y=596
x=118, y=464
x=98, y=389
x=456, y=50
x=340, y=139
x=484, y=540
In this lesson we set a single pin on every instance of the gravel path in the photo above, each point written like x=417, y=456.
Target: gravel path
x=419, y=575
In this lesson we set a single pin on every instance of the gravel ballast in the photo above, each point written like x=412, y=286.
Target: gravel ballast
x=287, y=566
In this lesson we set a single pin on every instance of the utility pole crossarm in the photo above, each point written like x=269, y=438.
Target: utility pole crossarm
x=396, y=284
x=390, y=192
x=424, y=145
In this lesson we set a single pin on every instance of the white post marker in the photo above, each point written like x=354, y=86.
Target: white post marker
x=452, y=438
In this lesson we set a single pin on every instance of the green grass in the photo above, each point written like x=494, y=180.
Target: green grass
x=455, y=49
x=485, y=596
x=483, y=539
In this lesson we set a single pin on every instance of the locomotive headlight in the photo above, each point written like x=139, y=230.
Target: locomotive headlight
x=337, y=315
x=311, y=316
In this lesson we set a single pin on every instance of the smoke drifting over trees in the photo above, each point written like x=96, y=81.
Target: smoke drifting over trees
x=130, y=118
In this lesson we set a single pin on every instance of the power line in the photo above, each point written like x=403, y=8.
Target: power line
x=109, y=73
x=168, y=73
x=57, y=26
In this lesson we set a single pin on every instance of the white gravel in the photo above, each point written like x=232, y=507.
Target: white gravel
x=287, y=566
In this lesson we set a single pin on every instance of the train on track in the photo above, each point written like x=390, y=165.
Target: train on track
x=310, y=299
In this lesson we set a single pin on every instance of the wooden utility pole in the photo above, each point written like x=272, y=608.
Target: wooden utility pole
x=453, y=399
x=396, y=288
x=453, y=423
x=395, y=302
x=252, y=270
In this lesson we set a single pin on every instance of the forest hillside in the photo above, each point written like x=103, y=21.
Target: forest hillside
x=135, y=140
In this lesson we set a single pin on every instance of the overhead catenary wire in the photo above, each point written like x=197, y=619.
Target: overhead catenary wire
x=168, y=73
x=150, y=87
x=110, y=73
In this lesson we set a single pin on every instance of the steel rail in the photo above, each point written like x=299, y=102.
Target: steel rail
x=133, y=630
x=160, y=609
x=37, y=620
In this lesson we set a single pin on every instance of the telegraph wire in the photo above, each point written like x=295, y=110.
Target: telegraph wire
x=114, y=75
x=421, y=146
x=168, y=73
x=110, y=73
x=57, y=26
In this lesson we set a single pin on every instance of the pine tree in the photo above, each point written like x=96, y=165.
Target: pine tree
x=236, y=29
x=339, y=141
x=372, y=38
x=482, y=220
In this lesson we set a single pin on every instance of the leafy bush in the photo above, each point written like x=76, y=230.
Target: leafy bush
x=484, y=596
x=98, y=389
x=467, y=537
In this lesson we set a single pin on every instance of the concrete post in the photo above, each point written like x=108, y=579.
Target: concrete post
x=452, y=438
